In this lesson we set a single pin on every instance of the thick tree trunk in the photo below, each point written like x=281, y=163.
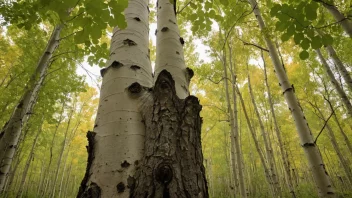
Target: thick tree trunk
x=278, y=134
x=12, y=131
x=173, y=162
x=315, y=160
x=345, y=23
x=269, y=153
x=116, y=145
x=336, y=84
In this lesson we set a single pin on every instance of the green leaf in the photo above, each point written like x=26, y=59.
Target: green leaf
x=285, y=37
x=298, y=37
x=275, y=9
x=303, y=55
x=305, y=43
x=281, y=26
x=194, y=6
x=311, y=12
x=224, y=2
x=327, y=39
x=316, y=42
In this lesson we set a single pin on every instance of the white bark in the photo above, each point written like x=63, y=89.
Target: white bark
x=278, y=135
x=234, y=131
x=345, y=74
x=315, y=160
x=119, y=131
x=334, y=82
x=28, y=163
x=268, y=151
x=169, y=51
x=345, y=23
x=12, y=131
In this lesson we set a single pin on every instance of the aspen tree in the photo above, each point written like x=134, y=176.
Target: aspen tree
x=345, y=23
x=172, y=165
x=116, y=145
x=255, y=140
x=234, y=133
x=268, y=151
x=235, y=139
x=12, y=130
x=322, y=179
x=335, y=83
x=278, y=133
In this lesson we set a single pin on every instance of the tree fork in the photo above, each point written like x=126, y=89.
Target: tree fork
x=172, y=165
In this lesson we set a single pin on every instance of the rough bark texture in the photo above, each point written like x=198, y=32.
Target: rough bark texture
x=321, y=177
x=11, y=132
x=173, y=162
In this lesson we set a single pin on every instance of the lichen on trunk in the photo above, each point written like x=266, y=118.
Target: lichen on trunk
x=172, y=165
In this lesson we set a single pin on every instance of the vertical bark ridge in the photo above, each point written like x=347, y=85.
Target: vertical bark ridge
x=173, y=162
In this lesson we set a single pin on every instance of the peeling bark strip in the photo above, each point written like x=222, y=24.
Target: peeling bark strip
x=173, y=162
x=93, y=190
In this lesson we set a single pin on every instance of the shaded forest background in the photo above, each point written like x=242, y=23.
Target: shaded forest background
x=51, y=158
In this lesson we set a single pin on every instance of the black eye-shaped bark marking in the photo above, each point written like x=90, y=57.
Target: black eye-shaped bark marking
x=163, y=174
x=190, y=73
x=135, y=88
x=156, y=32
x=135, y=67
x=137, y=18
x=125, y=164
x=164, y=29
x=129, y=42
x=116, y=64
x=182, y=41
x=165, y=85
x=102, y=72
x=121, y=187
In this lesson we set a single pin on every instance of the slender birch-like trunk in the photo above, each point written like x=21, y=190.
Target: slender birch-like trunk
x=235, y=139
x=336, y=84
x=315, y=160
x=62, y=150
x=28, y=163
x=12, y=130
x=255, y=140
x=232, y=122
x=116, y=145
x=345, y=23
x=278, y=134
x=269, y=153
